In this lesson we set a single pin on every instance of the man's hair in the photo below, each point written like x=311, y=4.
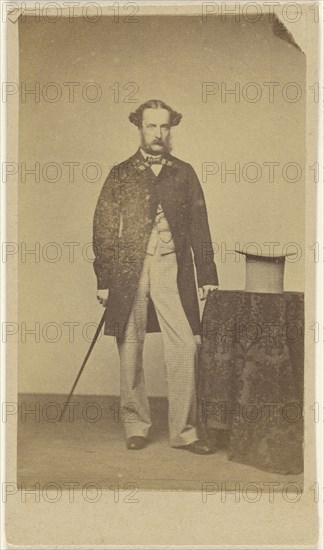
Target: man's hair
x=137, y=117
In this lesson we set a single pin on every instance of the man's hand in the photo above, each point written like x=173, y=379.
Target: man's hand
x=203, y=292
x=102, y=296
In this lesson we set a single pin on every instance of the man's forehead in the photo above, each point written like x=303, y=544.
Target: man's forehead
x=156, y=115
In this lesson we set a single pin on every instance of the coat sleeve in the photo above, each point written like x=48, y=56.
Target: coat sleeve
x=105, y=231
x=201, y=242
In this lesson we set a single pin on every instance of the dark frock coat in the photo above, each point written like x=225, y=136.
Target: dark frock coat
x=123, y=222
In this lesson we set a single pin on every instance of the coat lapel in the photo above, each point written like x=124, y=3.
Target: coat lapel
x=161, y=188
x=167, y=170
x=168, y=167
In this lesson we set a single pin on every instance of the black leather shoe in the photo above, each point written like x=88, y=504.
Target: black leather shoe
x=136, y=443
x=198, y=447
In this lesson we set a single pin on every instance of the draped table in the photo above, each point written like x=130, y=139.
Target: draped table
x=250, y=376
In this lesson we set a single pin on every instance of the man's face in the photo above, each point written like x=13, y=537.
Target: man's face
x=155, y=131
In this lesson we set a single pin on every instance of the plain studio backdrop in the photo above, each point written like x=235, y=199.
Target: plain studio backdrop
x=168, y=58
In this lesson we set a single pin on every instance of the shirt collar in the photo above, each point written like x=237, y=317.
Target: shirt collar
x=141, y=162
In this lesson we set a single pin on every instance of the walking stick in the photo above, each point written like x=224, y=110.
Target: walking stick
x=95, y=338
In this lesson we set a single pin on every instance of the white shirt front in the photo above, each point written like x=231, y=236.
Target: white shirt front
x=155, y=167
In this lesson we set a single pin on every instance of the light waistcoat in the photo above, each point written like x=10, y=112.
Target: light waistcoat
x=161, y=237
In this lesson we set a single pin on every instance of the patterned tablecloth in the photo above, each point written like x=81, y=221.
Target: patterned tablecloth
x=250, y=376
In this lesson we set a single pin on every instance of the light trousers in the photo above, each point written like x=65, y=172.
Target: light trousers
x=158, y=280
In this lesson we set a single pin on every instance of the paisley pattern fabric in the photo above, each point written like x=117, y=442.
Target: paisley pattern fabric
x=250, y=376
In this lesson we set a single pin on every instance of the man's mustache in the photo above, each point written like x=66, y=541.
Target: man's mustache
x=165, y=145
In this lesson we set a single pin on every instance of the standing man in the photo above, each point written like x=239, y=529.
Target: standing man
x=150, y=217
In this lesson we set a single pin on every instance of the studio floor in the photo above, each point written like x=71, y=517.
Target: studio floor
x=88, y=446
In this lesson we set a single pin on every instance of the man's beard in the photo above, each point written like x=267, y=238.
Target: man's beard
x=165, y=147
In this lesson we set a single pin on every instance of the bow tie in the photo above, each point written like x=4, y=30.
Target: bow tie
x=154, y=160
